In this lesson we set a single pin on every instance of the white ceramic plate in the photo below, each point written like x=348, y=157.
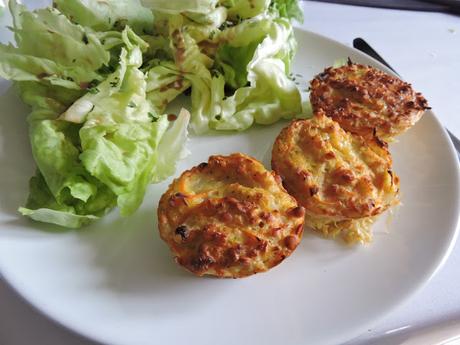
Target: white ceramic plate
x=116, y=282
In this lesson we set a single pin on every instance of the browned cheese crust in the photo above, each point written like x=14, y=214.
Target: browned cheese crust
x=229, y=217
x=342, y=180
x=366, y=101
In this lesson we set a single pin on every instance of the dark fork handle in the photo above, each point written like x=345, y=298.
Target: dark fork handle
x=363, y=46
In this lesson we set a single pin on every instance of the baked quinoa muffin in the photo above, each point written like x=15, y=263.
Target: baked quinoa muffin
x=229, y=217
x=342, y=180
x=367, y=101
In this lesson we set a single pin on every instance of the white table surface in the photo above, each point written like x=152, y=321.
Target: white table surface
x=425, y=49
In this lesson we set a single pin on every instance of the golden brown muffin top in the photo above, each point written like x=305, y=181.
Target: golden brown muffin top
x=332, y=173
x=367, y=101
x=229, y=217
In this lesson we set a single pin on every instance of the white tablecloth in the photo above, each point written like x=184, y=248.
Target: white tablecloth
x=425, y=49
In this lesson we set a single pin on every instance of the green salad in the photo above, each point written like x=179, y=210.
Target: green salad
x=98, y=76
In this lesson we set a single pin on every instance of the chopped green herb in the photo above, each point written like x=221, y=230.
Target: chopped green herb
x=93, y=83
x=106, y=69
x=85, y=39
x=120, y=24
x=239, y=19
x=226, y=25
x=212, y=34
x=131, y=104
x=153, y=117
x=93, y=90
x=215, y=72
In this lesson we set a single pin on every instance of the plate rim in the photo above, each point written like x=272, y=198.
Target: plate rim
x=352, y=333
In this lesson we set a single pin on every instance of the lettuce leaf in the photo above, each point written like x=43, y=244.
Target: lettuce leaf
x=179, y=6
x=42, y=205
x=289, y=9
x=271, y=94
x=164, y=83
x=234, y=61
x=121, y=133
x=172, y=147
x=106, y=16
x=62, y=192
x=47, y=34
x=51, y=50
x=255, y=60
x=243, y=9
x=207, y=90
